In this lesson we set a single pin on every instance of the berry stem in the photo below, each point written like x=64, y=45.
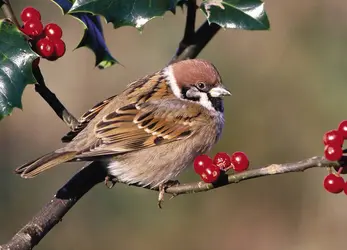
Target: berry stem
x=330, y=170
x=340, y=171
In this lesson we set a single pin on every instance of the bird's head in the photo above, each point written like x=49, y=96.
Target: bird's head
x=198, y=81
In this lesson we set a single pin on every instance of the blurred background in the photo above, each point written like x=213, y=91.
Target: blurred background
x=289, y=87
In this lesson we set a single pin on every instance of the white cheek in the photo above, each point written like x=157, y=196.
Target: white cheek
x=172, y=82
x=204, y=101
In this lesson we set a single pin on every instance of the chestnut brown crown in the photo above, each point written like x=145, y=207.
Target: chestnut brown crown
x=190, y=72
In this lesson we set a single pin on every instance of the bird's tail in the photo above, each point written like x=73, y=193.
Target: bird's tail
x=33, y=168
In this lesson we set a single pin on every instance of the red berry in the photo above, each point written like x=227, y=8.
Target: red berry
x=240, y=161
x=36, y=62
x=210, y=174
x=343, y=129
x=222, y=160
x=53, y=30
x=59, y=47
x=334, y=184
x=45, y=47
x=30, y=13
x=201, y=162
x=33, y=27
x=333, y=137
x=332, y=152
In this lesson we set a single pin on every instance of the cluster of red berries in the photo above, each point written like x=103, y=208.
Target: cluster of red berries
x=333, y=141
x=210, y=170
x=46, y=41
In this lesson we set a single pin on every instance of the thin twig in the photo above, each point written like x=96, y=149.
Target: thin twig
x=8, y=12
x=53, y=101
x=273, y=169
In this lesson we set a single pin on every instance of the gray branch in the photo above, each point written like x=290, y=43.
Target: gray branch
x=273, y=169
x=53, y=212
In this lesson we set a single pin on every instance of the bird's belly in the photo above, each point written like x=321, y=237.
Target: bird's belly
x=156, y=165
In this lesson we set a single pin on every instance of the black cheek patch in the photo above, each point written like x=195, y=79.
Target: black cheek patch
x=184, y=93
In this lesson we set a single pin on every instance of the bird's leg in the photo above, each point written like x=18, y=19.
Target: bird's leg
x=110, y=181
x=162, y=190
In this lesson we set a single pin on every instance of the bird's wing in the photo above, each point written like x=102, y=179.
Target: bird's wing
x=138, y=126
x=147, y=88
x=85, y=119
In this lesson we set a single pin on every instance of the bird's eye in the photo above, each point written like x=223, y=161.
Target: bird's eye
x=201, y=85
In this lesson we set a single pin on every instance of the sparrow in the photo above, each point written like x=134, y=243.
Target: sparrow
x=151, y=131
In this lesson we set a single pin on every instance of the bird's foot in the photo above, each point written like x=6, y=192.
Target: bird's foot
x=110, y=181
x=162, y=190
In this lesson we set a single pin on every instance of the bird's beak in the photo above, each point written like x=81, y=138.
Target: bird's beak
x=219, y=91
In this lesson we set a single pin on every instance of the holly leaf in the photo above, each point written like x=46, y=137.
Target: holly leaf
x=15, y=67
x=93, y=37
x=236, y=14
x=125, y=12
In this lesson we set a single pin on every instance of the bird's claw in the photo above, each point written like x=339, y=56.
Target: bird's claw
x=162, y=190
x=110, y=181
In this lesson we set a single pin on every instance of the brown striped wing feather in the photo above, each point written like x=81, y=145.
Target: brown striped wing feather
x=137, y=126
x=148, y=88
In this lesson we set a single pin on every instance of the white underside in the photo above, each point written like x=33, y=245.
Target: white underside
x=124, y=175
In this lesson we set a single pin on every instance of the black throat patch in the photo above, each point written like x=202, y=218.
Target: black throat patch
x=216, y=102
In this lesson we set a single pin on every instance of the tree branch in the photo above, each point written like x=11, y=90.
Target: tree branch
x=53, y=101
x=53, y=212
